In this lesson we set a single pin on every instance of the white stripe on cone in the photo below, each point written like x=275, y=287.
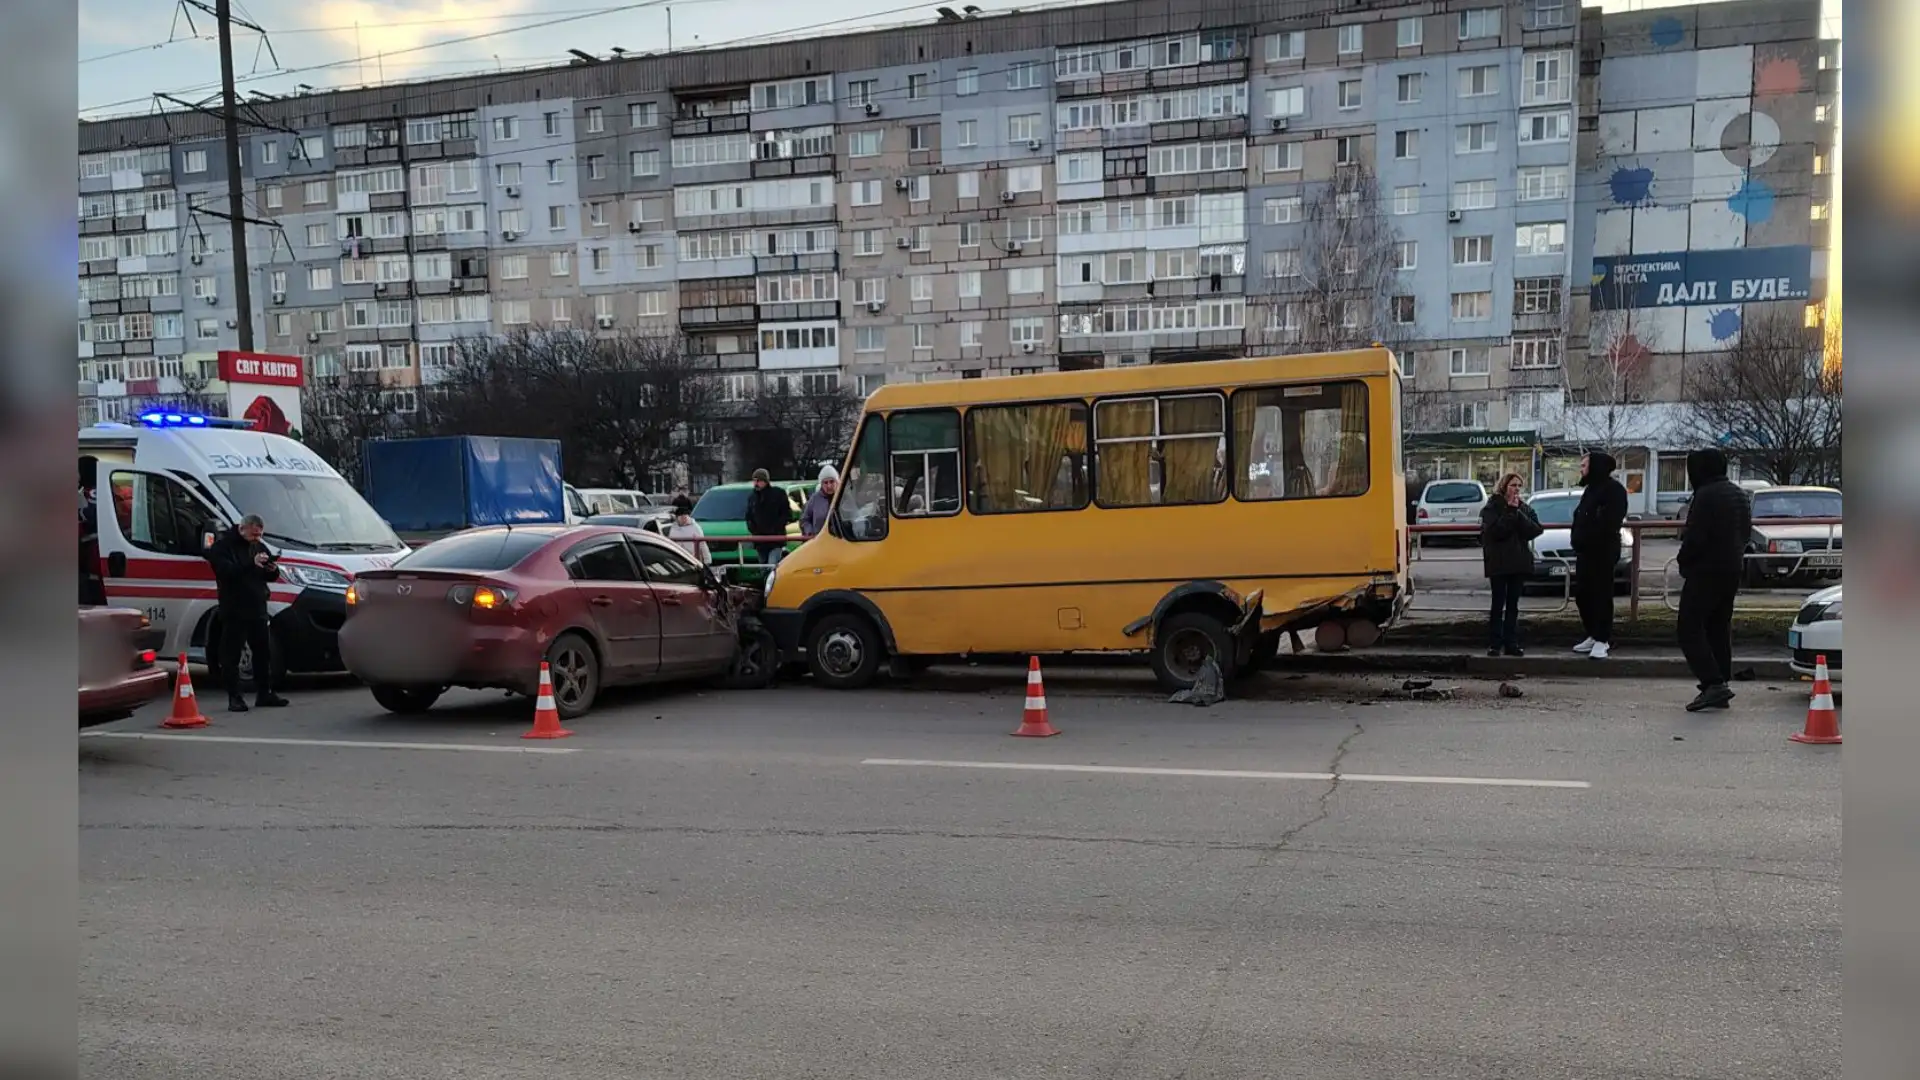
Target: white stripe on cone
x=545, y=700
x=1033, y=677
x=1822, y=702
x=1036, y=703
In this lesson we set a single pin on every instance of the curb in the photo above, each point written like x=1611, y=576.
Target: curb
x=1617, y=666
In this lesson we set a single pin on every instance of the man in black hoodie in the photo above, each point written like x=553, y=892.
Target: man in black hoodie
x=768, y=514
x=1596, y=550
x=1713, y=551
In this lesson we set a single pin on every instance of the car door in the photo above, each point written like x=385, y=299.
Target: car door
x=694, y=638
x=608, y=584
x=152, y=550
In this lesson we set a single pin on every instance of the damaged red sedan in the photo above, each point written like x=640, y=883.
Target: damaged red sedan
x=603, y=606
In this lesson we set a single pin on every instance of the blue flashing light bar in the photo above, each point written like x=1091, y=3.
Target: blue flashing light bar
x=191, y=420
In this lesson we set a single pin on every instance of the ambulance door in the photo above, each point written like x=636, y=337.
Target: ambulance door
x=152, y=535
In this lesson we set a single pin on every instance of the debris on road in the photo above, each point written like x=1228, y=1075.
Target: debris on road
x=1208, y=689
x=1508, y=690
x=1421, y=690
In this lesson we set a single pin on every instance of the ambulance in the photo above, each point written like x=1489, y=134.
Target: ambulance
x=163, y=486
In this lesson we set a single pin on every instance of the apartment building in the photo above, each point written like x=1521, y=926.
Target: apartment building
x=976, y=196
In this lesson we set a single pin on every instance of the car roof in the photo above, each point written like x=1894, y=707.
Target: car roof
x=748, y=483
x=1555, y=493
x=1456, y=480
x=1796, y=488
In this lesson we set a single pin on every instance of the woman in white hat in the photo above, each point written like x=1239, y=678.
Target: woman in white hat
x=814, y=517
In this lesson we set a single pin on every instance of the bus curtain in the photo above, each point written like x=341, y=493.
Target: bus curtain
x=1020, y=449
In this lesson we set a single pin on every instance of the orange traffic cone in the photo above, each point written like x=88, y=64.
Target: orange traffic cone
x=1823, y=723
x=186, y=707
x=1033, y=723
x=546, y=717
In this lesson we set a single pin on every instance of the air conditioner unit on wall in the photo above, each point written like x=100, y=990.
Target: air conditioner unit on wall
x=1453, y=215
x=874, y=306
x=1279, y=123
x=900, y=183
x=873, y=109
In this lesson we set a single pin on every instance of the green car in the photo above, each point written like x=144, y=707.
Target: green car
x=722, y=513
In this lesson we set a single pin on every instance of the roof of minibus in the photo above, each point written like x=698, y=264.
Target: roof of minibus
x=1105, y=382
x=210, y=450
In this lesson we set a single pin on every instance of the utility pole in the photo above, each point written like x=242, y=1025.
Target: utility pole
x=236, y=159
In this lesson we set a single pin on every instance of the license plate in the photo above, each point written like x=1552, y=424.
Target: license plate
x=1823, y=560
x=1793, y=639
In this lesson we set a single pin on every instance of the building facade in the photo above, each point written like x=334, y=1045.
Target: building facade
x=1093, y=186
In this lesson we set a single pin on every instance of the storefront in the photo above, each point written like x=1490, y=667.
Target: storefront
x=1470, y=455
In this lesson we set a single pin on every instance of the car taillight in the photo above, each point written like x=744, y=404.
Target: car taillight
x=1423, y=513
x=481, y=597
x=147, y=657
x=353, y=594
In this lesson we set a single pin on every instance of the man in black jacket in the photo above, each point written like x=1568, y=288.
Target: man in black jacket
x=768, y=514
x=1713, y=552
x=1595, y=535
x=242, y=570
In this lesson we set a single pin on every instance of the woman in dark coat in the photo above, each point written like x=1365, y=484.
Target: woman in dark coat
x=1508, y=527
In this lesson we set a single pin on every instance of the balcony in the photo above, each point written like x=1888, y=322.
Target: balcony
x=717, y=316
x=793, y=166
x=717, y=115
x=779, y=264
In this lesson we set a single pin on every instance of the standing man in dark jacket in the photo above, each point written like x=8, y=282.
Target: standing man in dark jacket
x=242, y=570
x=768, y=514
x=1713, y=550
x=1508, y=528
x=1596, y=550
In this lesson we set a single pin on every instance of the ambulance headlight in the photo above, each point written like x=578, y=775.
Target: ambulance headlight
x=314, y=577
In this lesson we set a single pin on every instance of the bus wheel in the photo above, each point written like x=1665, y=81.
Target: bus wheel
x=1182, y=645
x=844, y=651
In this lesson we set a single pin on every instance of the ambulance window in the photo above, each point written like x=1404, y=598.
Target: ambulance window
x=158, y=514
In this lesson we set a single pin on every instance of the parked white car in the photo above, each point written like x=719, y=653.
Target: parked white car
x=1816, y=632
x=1450, y=502
x=1553, y=549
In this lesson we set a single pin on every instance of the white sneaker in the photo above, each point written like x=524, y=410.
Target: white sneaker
x=1599, y=651
x=1585, y=646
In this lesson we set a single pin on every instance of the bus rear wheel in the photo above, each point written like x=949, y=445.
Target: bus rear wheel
x=1183, y=644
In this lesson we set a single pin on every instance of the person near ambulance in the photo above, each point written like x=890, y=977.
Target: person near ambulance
x=814, y=518
x=243, y=569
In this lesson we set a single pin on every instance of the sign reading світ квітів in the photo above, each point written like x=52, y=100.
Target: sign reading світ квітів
x=1689, y=278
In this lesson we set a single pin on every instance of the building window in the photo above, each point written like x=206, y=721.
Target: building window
x=919, y=188
x=1406, y=145
x=1551, y=127
x=1406, y=255
x=1482, y=81
x=1406, y=200
x=1467, y=363
x=1287, y=101
x=1472, y=306
x=1022, y=178
x=1283, y=157
x=601, y=259
x=1023, y=129
x=512, y=267
x=1538, y=183
x=1536, y=296
x=319, y=278
x=869, y=339
x=1466, y=416
x=1028, y=331
x=920, y=238
x=1540, y=239
x=970, y=334
x=641, y=162
x=596, y=118
x=1288, y=45
x=552, y=120
x=1473, y=251
x=966, y=82
x=969, y=132
x=1350, y=93
x=1346, y=150
x=866, y=193
x=1547, y=78
x=1023, y=75
x=1026, y=280
x=1473, y=195
x=643, y=114
x=506, y=128
x=1535, y=352
x=970, y=234
x=506, y=174
x=1160, y=451
x=1480, y=138
x=1284, y=211
x=1408, y=33
x=1479, y=23
x=1410, y=87
x=1351, y=39
x=559, y=263
x=1279, y=265
x=863, y=143
x=866, y=242
x=916, y=87
x=1403, y=310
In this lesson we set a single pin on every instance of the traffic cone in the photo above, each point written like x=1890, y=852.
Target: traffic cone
x=1033, y=723
x=186, y=707
x=1823, y=723
x=546, y=717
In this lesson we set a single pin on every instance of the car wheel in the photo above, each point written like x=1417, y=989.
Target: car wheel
x=219, y=677
x=407, y=700
x=844, y=651
x=575, y=672
x=1183, y=643
x=756, y=663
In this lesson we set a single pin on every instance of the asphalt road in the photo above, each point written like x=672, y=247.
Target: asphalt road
x=709, y=885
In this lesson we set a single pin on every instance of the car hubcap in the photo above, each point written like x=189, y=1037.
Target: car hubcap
x=1187, y=652
x=752, y=656
x=571, y=677
x=841, y=653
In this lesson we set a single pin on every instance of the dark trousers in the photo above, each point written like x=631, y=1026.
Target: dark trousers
x=768, y=552
x=1503, y=621
x=1593, y=593
x=237, y=633
x=1706, y=628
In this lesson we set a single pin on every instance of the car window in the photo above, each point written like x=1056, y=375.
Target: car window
x=601, y=560
x=722, y=504
x=667, y=567
x=1455, y=493
x=1796, y=504
x=494, y=549
x=1555, y=511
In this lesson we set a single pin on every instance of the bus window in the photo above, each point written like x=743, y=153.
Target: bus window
x=1161, y=451
x=1300, y=442
x=1027, y=457
x=925, y=447
x=862, y=505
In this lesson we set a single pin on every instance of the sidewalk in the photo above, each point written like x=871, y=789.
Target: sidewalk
x=1626, y=662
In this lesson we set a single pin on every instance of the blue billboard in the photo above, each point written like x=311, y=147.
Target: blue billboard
x=1689, y=278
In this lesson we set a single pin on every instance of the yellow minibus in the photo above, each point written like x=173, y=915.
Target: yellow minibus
x=1186, y=511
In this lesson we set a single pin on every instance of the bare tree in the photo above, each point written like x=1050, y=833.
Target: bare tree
x=340, y=413
x=1337, y=289
x=1772, y=400
x=1607, y=394
x=619, y=405
x=814, y=422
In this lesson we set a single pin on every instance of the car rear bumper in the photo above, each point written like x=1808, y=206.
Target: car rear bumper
x=393, y=652
x=101, y=703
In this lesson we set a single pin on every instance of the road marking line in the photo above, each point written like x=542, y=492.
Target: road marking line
x=1234, y=774
x=343, y=743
